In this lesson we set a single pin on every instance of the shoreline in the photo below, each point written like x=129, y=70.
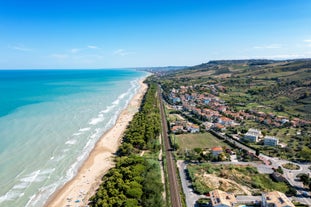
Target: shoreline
x=83, y=185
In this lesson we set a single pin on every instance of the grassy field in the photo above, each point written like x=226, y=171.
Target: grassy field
x=200, y=140
x=175, y=117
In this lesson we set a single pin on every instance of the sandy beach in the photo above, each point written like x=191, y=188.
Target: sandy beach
x=78, y=190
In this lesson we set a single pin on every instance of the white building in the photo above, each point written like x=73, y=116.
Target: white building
x=271, y=141
x=252, y=135
x=222, y=199
x=276, y=199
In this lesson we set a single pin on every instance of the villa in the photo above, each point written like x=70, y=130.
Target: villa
x=271, y=141
x=216, y=151
x=252, y=135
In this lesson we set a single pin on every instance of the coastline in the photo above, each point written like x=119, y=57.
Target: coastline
x=84, y=184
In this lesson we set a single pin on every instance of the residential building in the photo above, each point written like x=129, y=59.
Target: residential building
x=252, y=135
x=222, y=199
x=216, y=151
x=276, y=199
x=225, y=121
x=193, y=128
x=271, y=141
x=177, y=129
x=219, y=127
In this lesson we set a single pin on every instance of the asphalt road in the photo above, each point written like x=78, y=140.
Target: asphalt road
x=191, y=197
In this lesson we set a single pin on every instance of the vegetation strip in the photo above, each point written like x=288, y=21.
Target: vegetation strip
x=136, y=180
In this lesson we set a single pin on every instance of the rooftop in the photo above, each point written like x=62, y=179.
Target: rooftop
x=278, y=199
x=221, y=197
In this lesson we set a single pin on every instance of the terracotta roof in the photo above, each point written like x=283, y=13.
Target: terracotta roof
x=217, y=149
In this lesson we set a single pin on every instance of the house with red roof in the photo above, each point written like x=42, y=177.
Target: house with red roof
x=216, y=151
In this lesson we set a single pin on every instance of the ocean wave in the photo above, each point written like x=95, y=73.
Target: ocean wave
x=71, y=142
x=31, y=177
x=116, y=102
x=97, y=120
x=21, y=185
x=9, y=196
x=84, y=129
x=37, y=176
x=31, y=198
x=108, y=109
x=44, y=192
x=18, y=189
x=96, y=134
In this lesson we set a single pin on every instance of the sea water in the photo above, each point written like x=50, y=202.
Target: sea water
x=49, y=122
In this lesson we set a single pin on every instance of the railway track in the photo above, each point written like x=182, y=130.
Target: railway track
x=171, y=167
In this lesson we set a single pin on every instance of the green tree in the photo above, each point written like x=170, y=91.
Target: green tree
x=305, y=153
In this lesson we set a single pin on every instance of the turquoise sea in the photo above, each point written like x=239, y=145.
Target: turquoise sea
x=49, y=122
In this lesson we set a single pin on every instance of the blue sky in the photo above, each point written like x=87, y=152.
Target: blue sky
x=116, y=33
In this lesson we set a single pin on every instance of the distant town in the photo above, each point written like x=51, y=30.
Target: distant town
x=236, y=150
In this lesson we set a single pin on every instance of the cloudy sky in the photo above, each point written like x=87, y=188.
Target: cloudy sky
x=134, y=33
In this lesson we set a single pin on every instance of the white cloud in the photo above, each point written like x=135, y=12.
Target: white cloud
x=92, y=47
x=75, y=50
x=20, y=48
x=122, y=52
x=307, y=40
x=271, y=46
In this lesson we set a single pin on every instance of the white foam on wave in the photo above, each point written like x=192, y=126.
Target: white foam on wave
x=9, y=196
x=47, y=171
x=21, y=185
x=17, y=190
x=31, y=200
x=44, y=192
x=96, y=120
x=77, y=134
x=84, y=129
x=96, y=134
x=37, y=176
x=108, y=109
x=116, y=102
x=31, y=177
x=71, y=142
x=84, y=153
x=120, y=97
x=100, y=117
